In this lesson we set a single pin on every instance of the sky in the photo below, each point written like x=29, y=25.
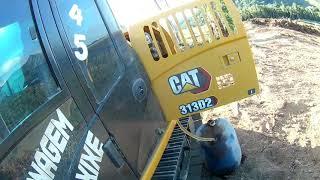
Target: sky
x=129, y=12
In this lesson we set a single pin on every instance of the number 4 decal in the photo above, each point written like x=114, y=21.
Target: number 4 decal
x=75, y=14
x=78, y=39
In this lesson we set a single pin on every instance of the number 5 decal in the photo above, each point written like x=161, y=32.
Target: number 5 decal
x=78, y=39
x=79, y=42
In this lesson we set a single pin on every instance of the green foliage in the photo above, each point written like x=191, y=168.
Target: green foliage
x=248, y=3
x=293, y=11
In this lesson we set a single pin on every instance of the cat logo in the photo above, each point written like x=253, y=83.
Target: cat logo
x=195, y=81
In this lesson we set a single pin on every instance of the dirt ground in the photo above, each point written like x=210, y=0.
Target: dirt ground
x=279, y=129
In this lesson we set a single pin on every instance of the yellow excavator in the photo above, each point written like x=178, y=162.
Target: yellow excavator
x=199, y=59
x=80, y=100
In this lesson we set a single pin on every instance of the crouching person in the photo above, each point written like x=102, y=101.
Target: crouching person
x=222, y=156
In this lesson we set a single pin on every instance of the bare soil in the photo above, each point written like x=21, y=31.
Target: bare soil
x=296, y=25
x=279, y=129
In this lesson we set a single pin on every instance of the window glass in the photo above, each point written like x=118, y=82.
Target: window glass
x=91, y=45
x=112, y=23
x=25, y=78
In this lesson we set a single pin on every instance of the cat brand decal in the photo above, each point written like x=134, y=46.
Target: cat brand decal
x=195, y=81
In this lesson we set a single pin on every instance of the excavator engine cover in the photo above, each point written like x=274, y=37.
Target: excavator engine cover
x=197, y=57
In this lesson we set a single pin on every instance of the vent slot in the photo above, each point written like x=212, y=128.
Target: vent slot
x=228, y=17
x=216, y=12
x=157, y=31
x=189, y=41
x=151, y=45
x=189, y=27
x=167, y=31
x=203, y=25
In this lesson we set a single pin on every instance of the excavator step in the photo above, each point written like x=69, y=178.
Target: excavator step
x=170, y=163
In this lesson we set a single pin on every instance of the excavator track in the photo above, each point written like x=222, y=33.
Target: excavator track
x=170, y=165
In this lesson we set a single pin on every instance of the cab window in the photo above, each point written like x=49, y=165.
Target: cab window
x=26, y=81
x=91, y=44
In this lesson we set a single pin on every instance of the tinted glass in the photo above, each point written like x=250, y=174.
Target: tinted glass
x=25, y=78
x=91, y=45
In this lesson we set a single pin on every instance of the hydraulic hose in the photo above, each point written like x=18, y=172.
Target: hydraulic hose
x=198, y=138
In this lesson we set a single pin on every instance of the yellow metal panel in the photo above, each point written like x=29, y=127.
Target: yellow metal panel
x=206, y=75
x=244, y=76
